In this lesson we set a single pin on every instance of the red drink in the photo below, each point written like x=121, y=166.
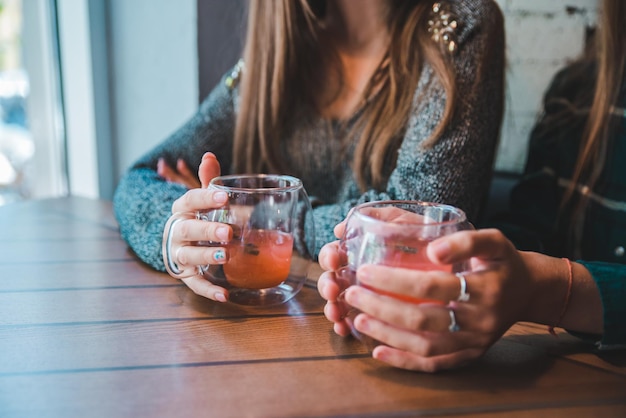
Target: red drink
x=262, y=261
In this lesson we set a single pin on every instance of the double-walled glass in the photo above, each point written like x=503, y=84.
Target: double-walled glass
x=395, y=233
x=273, y=238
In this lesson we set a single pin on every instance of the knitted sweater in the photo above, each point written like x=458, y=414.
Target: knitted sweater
x=456, y=170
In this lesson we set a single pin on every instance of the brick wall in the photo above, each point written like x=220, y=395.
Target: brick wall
x=541, y=37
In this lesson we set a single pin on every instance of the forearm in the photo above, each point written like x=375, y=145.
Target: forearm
x=550, y=282
x=142, y=204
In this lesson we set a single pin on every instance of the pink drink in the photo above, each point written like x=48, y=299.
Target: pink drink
x=403, y=252
x=262, y=261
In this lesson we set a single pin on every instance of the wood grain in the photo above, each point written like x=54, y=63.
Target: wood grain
x=88, y=330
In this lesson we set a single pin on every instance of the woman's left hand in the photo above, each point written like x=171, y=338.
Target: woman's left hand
x=422, y=336
x=181, y=174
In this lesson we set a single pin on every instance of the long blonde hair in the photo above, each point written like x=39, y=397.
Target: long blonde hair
x=283, y=60
x=609, y=60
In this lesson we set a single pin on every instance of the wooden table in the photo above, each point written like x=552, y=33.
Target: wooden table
x=86, y=330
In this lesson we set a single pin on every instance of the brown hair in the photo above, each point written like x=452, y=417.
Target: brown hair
x=609, y=55
x=282, y=57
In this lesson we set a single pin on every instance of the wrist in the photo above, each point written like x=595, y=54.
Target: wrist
x=549, y=282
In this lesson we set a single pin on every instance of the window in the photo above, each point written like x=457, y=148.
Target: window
x=31, y=134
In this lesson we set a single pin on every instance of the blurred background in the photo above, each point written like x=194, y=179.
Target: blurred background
x=87, y=86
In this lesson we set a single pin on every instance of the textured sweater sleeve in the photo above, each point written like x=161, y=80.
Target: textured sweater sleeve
x=143, y=200
x=457, y=169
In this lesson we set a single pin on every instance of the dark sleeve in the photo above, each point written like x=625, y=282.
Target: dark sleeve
x=143, y=200
x=534, y=204
x=611, y=281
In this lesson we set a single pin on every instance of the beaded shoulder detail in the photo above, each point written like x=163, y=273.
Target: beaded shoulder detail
x=233, y=78
x=443, y=25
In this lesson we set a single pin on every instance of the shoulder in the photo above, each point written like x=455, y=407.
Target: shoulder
x=225, y=94
x=474, y=16
x=575, y=83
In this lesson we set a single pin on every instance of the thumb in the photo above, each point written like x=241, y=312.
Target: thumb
x=209, y=168
x=485, y=244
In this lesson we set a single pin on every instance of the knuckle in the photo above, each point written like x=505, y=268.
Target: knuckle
x=417, y=321
x=184, y=230
x=181, y=257
x=426, y=285
x=208, y=231
x=428, y=349
x=488, y=323
x=187, y=199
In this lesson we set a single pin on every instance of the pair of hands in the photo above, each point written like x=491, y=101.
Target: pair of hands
x=416, y=336
x=187, y=231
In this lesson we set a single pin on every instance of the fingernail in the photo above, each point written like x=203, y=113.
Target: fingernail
x=363, y=274
x=219, y=256
x=351, y=296
x=361, y=324
x=441, y=249
x=207, y=155
x=379, y=355
x=220, y=297
x=222, y=233
x=220, y=197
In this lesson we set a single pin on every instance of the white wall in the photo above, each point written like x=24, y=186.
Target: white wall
x=541, y=37
x=154, y=77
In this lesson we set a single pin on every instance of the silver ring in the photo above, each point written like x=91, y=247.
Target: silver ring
x=454, y=327
x=463, y=295
x=171, y=266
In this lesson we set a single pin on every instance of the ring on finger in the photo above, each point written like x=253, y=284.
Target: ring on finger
x=171, y=265
x=463, y=295
x=454, y=326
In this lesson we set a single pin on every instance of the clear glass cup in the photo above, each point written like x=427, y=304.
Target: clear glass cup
x=395, y=233
x=273, y=240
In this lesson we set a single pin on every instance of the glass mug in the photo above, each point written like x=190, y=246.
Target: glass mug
x=394, y=233
x=273, y=239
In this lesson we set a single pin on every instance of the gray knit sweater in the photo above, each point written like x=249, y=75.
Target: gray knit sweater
x=456, y=171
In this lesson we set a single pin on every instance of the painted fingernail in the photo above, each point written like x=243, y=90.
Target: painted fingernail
x=220, y=197
x=222, y=233
x=220, y=297
x=219, y=256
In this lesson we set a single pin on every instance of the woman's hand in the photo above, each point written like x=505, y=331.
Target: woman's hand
x=181, y=174
x=419, y=336
x=209, y=168
x=331, y=286
x=181, y=253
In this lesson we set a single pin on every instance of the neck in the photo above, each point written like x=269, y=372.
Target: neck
x=357, y=26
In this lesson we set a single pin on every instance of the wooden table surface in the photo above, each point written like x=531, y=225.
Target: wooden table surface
x=86, y=330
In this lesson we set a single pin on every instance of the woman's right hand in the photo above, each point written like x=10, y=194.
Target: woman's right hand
x=330, y=287
x=181, y=253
